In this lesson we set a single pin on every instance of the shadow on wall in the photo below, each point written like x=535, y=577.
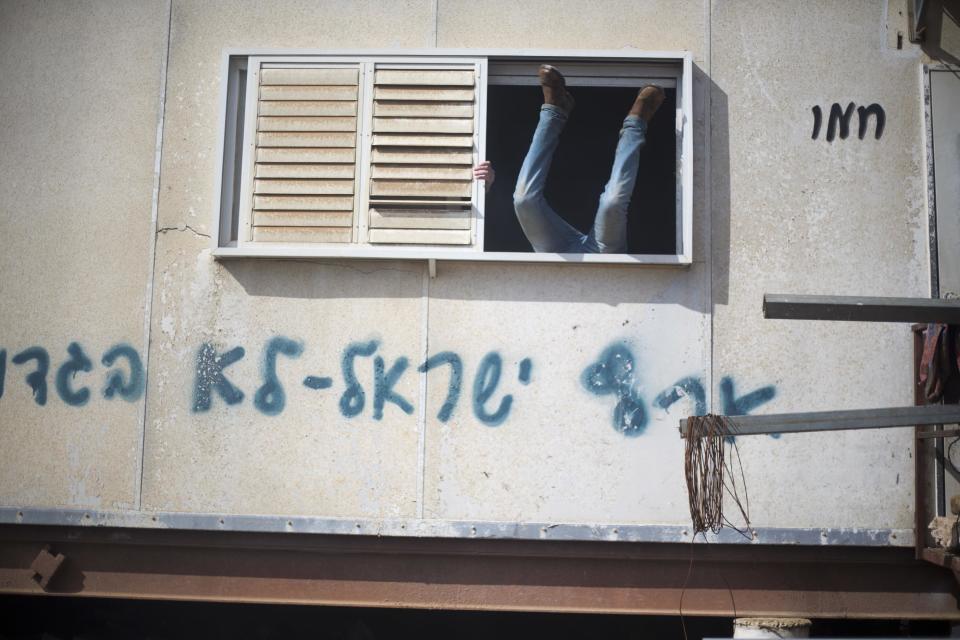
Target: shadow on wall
x=719, y=218
x=511, y=282
x=327, y=278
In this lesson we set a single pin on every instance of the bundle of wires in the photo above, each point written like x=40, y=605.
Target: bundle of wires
x=709, y=474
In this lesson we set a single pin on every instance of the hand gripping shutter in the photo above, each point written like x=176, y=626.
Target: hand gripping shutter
x=305, y=167
x=421, y=179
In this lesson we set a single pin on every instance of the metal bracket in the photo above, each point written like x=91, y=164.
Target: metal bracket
x=45, y=566
x=432, y=267
x=917, y=19
x=859, y=309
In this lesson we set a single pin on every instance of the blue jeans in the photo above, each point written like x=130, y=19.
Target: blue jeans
x=546, y=230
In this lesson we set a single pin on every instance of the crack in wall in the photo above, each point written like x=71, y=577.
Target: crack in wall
x=185, y=227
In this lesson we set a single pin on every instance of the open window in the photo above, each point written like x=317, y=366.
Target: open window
x=368, y=155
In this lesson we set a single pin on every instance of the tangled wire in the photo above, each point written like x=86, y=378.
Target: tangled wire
x=710, y=475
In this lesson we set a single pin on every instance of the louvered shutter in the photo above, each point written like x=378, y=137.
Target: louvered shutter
x=305, y=167
x=422, y=151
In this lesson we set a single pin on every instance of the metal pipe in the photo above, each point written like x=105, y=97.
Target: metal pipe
x=839, y=420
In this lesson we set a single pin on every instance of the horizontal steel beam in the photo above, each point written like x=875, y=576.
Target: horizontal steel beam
x=839, y=420
x=466, y=529
x=781, y=306
x=589, y=577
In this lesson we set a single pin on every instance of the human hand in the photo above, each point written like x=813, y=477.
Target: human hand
x=484, y=171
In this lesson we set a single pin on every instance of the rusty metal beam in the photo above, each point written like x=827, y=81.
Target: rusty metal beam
x=599, y=577
x=944, y=433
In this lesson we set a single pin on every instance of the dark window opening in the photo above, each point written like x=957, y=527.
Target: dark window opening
x=581, y=165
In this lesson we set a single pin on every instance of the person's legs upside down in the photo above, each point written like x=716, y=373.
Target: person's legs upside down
x=609, y=233
x=544, y=228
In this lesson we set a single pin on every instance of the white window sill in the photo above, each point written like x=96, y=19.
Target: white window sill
x=429, y=253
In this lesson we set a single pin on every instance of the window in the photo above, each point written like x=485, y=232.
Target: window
x=368, y=155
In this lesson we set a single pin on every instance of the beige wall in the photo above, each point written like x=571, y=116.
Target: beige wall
x=774, y=211
x=79, y=105
x=795, y=215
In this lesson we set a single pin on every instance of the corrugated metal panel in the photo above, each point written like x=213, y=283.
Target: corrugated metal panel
x=264, y=170
x=301, y=76
x=423, y=109
x=313, y=123
x=292, y=92
x=416, y=218
x=422, y=151
x=421, y=140
x=302, y=234
x=400, y=155
x=420, y=188
x=305, y=218
x=308, y=108
x=419, y=236
x=416, y=125
x=313, y=139
x=305, y=154
x=312, y=187
x=305, y=168
x=421, y=77
x=422, y=94
x=303, y=203
x=428, y=172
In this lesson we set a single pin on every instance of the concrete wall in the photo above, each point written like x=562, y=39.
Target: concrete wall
x=536, y=434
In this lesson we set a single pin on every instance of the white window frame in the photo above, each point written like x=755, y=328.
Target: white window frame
x=663, y=66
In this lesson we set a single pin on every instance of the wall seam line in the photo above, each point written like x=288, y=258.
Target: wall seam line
x=930, y=193
x=422, y=409
x=152, y=260
x=708, y=205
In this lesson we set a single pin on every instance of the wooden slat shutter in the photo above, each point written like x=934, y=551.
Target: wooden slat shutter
x=305, y=168
x=421, y=179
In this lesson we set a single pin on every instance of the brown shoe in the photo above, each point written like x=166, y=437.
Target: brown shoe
x=555, y=88
x=648, y=101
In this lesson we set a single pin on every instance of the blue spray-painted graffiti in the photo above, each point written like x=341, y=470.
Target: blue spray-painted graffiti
x=210, y=366
x=68, y=370
x=383, y=386
x=614, y=373
x=130, y=388
x=456, y=378
x=354, y=397
x=731, y=405
x=526, y=368
x=689, y=386
x=484, y=386
x=317, y=382
x=38, y=379
x=270, y=397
